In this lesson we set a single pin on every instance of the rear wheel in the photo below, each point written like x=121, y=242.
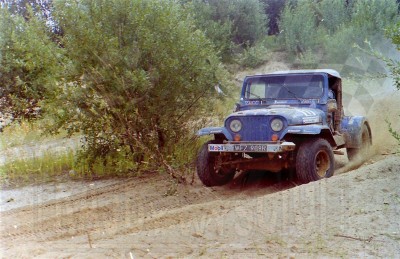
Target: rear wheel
x=314, y=160
x=209, y=170
x=362, y=153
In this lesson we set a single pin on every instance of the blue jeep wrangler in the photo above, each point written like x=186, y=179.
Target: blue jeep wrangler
x=290, y=120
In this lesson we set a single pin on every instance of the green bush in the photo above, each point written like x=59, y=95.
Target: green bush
x=132, y=85
x=298, y=27
x=253, y=56
x=366, y=27
x=214, y=20
x=373, y=16
x=306, y=60
x=340, y=45
x=394, y=133
x=230, y=23
x=333, y=14
x=129, y=75
x=29, y=62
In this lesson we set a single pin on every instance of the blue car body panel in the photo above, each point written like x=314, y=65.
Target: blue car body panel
x=352, y=130
x=215, y=131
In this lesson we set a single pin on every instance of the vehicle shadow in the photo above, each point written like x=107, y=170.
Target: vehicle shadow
x=257, y=182
x=261, y=182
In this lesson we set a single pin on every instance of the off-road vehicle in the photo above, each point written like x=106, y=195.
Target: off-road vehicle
x=285, y=120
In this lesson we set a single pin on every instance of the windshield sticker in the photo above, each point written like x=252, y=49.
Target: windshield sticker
x=252, y=102
x=309, y=100
x=314, y=119
x=280, y=102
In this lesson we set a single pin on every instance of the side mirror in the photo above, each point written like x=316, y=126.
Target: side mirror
x=237, y=107
x=331, y=105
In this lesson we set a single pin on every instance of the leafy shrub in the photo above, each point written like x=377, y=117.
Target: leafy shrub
x=340, y=45
x=214, y=20
x=394, y=133
x=29, y=62
x=229, y=23
x=133, y=80
x=253, y=56
x=129, y=75
x=306, y=60
x=249, y=21
x=373, y=16
x=298, y=27
x=333, y=14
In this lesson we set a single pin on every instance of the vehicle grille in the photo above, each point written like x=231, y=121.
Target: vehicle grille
x=254, y=128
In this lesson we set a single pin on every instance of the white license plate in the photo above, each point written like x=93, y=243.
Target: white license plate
x=255, y=148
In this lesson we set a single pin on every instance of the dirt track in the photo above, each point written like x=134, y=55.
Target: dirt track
x=353, y=214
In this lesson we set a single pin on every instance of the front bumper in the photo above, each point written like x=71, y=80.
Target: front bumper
x=252, y=147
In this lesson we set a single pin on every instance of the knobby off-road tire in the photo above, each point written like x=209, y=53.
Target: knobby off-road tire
x=314, y=160
x=207, y=170
x=362, y=153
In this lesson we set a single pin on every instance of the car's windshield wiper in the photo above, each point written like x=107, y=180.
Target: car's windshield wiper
x=255, y=95
x=289, y=91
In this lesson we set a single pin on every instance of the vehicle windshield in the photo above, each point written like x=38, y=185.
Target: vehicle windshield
x=284, y=87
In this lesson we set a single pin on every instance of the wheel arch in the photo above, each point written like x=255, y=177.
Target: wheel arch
x=300, y=134
x=352, y=127
x=220, y=133
x=369, y=131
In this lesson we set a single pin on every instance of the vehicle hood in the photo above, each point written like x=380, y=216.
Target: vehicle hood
x=293, y=115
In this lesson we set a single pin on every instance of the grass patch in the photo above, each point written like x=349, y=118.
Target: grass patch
x=53, y=167
x=24, y=132
x=38, y=169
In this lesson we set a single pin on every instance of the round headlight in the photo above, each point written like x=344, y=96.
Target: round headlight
x=235, y=125
x=276, y=124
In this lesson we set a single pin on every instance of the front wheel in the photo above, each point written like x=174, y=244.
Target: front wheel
x=209, y=170
x=314, y=160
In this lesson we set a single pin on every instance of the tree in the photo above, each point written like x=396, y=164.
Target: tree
x=249, y=21
x=29, y=61
x=365, y=22
x=333, y=14
x=23, y=7
x=373, y=16
x=273, y=10
x=213, y=18
x=230, y=23
x=138, y=73
x=298, y=27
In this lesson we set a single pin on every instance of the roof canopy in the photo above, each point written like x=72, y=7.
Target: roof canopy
x=330, y=72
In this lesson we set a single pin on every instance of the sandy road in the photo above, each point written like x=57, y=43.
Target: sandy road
x=121, y=208
x=352, y=214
